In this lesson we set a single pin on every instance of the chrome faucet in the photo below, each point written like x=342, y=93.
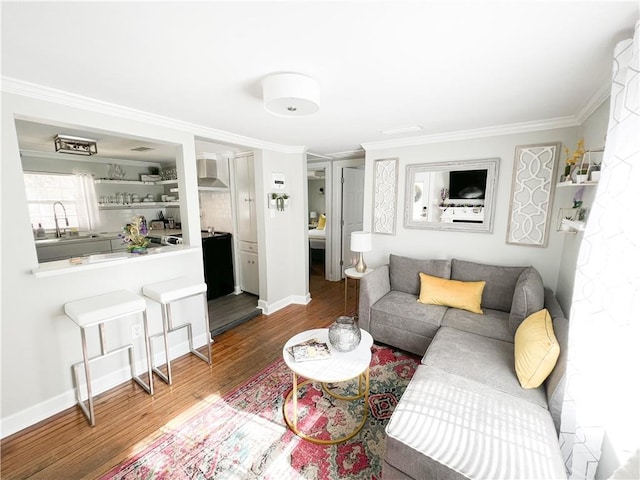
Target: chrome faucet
x=55, y=217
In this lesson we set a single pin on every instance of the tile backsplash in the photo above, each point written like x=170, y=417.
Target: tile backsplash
x=215, y=211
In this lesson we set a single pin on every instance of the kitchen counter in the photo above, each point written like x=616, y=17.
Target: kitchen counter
x=91, y=262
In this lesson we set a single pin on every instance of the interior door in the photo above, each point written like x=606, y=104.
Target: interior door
x=352, y=211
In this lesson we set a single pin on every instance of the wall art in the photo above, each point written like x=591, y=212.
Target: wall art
x=532, y=189
x=385, y=191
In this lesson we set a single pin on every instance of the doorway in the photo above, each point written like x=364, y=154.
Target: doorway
x=352, y=210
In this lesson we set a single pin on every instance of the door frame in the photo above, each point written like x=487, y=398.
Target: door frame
x=335, y=272
x=328, y=250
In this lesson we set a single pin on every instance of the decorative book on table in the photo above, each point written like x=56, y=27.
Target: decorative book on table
x=311, y=349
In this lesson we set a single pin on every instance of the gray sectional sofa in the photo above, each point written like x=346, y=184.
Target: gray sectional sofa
x=464, y=413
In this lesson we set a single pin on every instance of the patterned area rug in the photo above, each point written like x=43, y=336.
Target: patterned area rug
x=244, y=436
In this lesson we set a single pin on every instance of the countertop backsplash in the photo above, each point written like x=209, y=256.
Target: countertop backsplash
x=215, y=211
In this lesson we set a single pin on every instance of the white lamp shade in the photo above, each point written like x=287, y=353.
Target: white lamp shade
x=291, y=94
x=313, y=215
x=361, y=241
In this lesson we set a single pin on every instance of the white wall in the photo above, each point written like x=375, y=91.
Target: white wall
x=480, y=247
x=39, y=343
x=283, y=268
x=593, y=130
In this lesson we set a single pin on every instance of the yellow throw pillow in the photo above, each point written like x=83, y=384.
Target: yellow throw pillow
x=451, y=293
x=322, y=222
x=536, y=349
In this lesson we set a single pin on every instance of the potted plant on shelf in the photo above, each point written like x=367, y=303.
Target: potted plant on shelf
x=572, y=160
x=595, y=172
x=582, y=175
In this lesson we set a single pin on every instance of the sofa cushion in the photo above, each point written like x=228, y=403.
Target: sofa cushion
x=398, y=319
x=528, y=297
x=448, y=426
x=485, y=360
x=450, y=293
x=501, y=281
x=493, y=324
x=556, y=382
x=404, y=271
x=536, y=349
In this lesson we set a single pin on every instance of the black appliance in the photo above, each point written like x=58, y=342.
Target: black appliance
x=217, y=255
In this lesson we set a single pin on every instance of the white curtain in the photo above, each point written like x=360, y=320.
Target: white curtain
x=87, y=202
x=600, y=418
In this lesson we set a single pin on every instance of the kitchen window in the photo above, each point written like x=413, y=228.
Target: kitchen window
x=76, y=192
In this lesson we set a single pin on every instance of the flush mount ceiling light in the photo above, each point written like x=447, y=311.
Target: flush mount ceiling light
x=75, y=145
x=291, y=94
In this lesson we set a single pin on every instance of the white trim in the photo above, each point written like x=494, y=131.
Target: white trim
x=594, y=102
x=269, y=308
x=514, y=128
x=93, y=159
x=52, y=406
x=28, y=89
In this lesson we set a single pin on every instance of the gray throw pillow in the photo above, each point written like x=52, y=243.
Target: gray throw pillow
x=404, y=272
x=528, y=297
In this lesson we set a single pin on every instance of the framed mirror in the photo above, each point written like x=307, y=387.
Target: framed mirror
x=457, y=195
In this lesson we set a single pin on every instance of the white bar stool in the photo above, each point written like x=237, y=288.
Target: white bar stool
x=97, y=311
x=166, y=293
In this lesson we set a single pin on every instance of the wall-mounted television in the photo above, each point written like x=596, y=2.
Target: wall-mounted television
x=467, y=184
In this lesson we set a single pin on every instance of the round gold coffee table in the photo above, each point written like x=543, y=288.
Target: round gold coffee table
x=340, y=367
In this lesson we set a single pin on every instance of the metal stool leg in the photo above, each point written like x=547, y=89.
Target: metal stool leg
x=168, y=327
x=165, y=335
x=89, y=413
x=147, y=350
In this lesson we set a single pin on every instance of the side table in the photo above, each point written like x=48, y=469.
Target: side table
x=355, y=275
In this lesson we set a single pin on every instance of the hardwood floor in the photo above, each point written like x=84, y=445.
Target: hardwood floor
x=127, y=419
x=230, y=311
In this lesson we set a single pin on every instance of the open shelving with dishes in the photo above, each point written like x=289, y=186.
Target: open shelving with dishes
x=164, y=194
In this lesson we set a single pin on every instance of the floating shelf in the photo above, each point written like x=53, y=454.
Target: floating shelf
x=134, y=182
x=572, y=184
x=115, y=206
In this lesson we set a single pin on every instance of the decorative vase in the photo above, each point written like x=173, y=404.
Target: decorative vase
x=344, y=334
x=138, y=250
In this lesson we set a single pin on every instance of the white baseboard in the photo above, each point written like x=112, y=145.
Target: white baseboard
x=41, y=411
x=269, y=308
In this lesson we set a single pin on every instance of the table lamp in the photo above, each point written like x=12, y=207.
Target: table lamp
x=360, y=242
x=314, y=217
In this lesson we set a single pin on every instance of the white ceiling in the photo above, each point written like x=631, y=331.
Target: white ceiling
x=446, y=66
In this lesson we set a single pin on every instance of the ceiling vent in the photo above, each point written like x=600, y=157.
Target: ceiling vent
x=141, y=149
x=75, y=145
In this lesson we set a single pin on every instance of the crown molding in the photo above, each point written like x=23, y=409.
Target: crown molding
x=598, y=98
x=48, y=94
x=494, y=131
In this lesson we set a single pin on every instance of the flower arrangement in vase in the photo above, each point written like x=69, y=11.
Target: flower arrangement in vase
x=135, y=235
x=571, y=160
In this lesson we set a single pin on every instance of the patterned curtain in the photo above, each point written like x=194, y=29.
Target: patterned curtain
x=602, y=399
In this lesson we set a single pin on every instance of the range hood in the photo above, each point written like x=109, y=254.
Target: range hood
x=212, y=171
